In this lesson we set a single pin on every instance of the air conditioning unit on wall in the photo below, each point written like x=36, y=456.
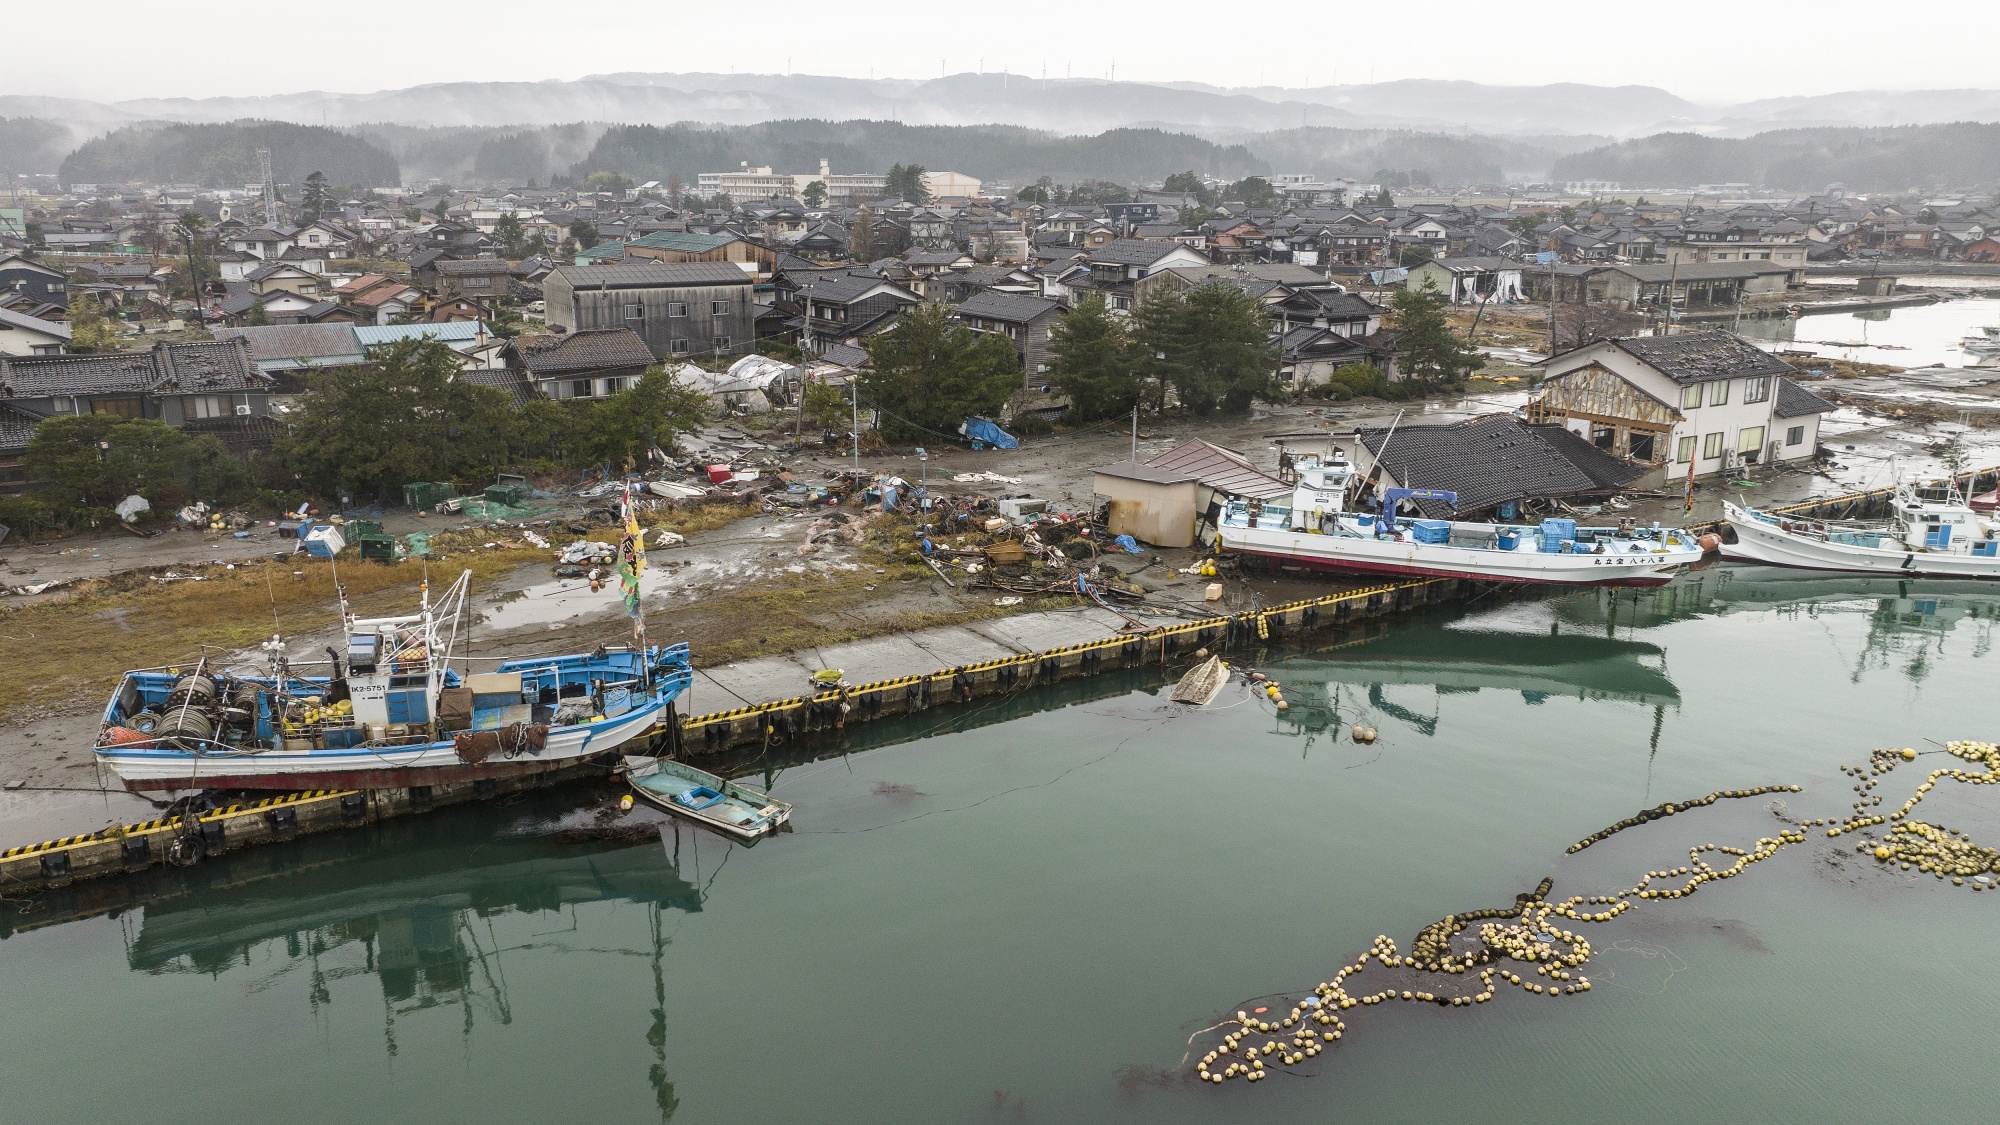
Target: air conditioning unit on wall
x=243, y=412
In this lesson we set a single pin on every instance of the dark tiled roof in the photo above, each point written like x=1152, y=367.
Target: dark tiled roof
x=16, y=427
x=1701, y=356
x=275, y=342
x=839, y=288
x=590, y=350
x=846, y=355
x=507, y=380
x=646, y=273
x=1134, y=251
x=1795, y=401
x=472, y=267
x=223, y=365
x=1006, y=306
x=42, y=376
x=1497, y=458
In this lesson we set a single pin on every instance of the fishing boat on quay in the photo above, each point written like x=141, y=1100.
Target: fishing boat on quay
x=1929, y=533
x=1317, y=531
x=388, y=709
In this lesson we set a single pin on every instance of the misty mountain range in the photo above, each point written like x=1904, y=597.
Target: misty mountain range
x=1068, y=106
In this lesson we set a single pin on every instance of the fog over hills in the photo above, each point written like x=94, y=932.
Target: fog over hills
x=1070, y=106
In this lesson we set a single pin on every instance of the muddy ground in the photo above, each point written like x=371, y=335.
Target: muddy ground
x=752, y=587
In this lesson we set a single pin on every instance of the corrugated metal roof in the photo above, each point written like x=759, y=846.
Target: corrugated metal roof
x=277, y=346
x=1224, y=470
x=450, y=332
x=686, y=242
x=1148, y=473
x=648, y=273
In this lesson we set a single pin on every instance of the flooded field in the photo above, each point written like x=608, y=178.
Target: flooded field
x=1917, y=336
x=1022, y=911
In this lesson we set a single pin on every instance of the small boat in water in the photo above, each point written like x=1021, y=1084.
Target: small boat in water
x=705, y=799
x=393, y=714
x=1935, y=536
x=1317, y=531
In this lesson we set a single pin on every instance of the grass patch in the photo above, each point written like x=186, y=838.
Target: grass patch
x=69, y=653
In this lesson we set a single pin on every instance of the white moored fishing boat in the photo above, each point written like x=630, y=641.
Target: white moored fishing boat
x=1317, y=532
x=1925, y=536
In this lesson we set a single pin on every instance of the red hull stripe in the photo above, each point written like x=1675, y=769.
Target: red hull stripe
x=360, y=779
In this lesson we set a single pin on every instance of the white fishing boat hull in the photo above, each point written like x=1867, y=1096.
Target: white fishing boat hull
x=1653, y=565
x=1759, y=541
x=368, y=767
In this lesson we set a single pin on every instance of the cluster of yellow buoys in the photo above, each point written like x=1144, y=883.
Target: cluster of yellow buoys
x=1523, y=946
x=1913, y=844
x=1672, y=807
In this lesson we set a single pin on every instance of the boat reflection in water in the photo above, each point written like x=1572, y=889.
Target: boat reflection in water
x=417, y=913
x=1469, y=660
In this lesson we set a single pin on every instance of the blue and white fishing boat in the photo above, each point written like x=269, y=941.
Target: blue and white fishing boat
x=1930, y=533
x=389, y=710
x=1317, y=531
x=392, y=713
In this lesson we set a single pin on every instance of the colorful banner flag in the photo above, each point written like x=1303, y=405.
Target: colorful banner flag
x=1687, y=490
x=631, y=564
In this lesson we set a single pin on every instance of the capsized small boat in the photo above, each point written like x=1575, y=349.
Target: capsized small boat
x=1927, y=535
x=394, y=713
x=1318, y=532
x=705, y=799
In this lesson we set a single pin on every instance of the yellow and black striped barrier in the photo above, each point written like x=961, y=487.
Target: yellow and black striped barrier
x=718, y=730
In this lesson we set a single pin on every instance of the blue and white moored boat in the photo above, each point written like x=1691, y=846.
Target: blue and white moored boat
x=394, y=713
x=1318, y=532
x=1934, y=536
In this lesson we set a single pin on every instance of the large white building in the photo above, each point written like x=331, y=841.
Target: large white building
x=1709, y=398
x=749, y=182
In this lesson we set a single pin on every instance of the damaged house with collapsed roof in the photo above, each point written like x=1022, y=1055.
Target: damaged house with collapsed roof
x=1497, y=464
x=1707, y=398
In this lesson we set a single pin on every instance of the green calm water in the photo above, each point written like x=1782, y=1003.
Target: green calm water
x=1024, y=920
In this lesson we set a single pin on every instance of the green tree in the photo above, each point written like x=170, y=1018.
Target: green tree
x=442, y=209
x=401, y=417
x=1524, y=225
x=93, y=461
x=1192, y=184
x=1213, y=346
x=1255, y=191
x=932, y=373
x=1414, y=254
x=826, y=406
x=1427, y=350
x=1090, y=360
x=815, y=194
x=861, y=236
x=508, y=233
x=584, y=232
x=1033, y=193
x=906, y=181
x=88, y=330
x=607, y=181
x=315, y=201
x=259, y=315
x=654, y=411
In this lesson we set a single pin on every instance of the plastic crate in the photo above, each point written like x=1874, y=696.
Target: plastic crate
x=357, y=530
x=512, y=495
x=1556, y=532
x=423, y=495
x=1431, y=531
x=378, y=547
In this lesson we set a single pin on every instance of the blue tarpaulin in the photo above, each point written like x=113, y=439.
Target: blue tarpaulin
x=984, y=433
x=1128, y=544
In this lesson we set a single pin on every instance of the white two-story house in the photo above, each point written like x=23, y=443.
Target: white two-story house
x=1709, y=398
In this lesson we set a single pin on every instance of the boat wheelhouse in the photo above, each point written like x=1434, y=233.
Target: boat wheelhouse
x=1929, y=533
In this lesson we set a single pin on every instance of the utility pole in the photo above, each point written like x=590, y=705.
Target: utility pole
x=854, y=400
x=1135, y=433
x=270, y=189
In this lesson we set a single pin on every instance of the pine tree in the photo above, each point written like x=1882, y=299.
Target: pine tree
x=932, y=373
x=1091, y=362
x=316, y=200
x=1428, y=350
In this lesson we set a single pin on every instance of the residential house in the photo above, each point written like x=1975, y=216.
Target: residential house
x=1489, y=461
x=21, y=334
x=1024, y=320
x=680, y=309
x=686, y=246
x=1710, y=399
x=485, y=279
x=586, y=364
x=21, y=274
x=1116, y=266
x=1470, y=280
x=843, y=308
x=210, y=387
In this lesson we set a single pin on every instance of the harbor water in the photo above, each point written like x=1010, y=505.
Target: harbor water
x=1912, y=336
x=1022, y=909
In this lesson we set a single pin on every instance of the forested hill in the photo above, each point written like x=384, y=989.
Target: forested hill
x=226, y=155
x=652, y=152
x=1886, y=159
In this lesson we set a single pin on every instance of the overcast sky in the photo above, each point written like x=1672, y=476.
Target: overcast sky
x=1704, y=50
